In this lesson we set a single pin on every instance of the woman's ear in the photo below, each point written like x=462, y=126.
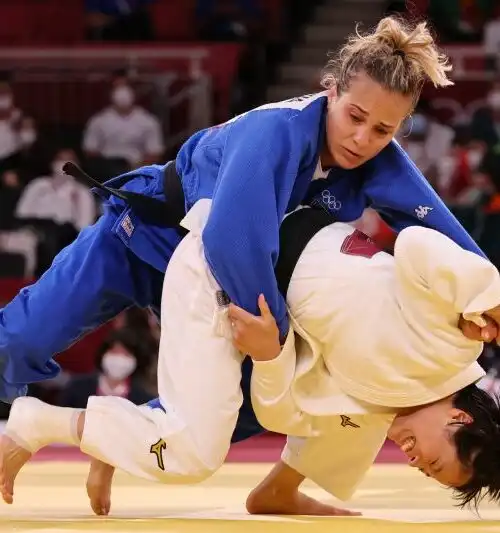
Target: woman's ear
x=462, y=417
x=332, y=93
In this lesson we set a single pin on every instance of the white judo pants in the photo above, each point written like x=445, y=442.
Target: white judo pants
x=199, y=375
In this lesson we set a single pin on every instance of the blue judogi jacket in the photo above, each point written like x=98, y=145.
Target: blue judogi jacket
x=259, y=166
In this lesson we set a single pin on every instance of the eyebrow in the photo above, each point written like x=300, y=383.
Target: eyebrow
x=365, y=112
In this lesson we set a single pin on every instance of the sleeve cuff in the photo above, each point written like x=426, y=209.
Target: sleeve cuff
x=275, y=376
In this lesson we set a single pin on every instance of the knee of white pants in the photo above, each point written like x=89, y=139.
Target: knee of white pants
x=199, y=369
x=147, y=442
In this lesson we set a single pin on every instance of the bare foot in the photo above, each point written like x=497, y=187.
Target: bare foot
x=99, y=483
x=12, y=458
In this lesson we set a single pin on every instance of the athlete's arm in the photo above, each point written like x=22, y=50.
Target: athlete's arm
x=241, y=238
x=279, y=493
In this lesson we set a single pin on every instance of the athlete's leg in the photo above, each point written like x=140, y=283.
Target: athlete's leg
x=199, y=374
x=100, y=477
x=89, y=282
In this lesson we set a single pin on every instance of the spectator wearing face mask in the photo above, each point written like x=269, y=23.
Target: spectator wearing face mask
x=57, y=207
x=426, y=139
x=32, y=149
x=120, y=363
x=479, y=186
x=122, y=136
x=10, y=121
x=491, y=41
x=453, y=170
x=15, y=239
x=486, y=120
x=58, y=197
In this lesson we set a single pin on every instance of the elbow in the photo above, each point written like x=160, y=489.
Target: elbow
x=408, y=238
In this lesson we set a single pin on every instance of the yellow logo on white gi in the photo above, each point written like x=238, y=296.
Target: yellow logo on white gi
x=157, y=449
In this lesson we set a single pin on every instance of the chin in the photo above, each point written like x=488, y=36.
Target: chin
x=347, y=163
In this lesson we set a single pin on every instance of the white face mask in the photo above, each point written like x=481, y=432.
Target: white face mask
x=474, y=158
x=122, y=96
x=118, y=365
x=494, y=99
x=57, y=169
x=5, y=102
x=27, y=137
x=446, y=166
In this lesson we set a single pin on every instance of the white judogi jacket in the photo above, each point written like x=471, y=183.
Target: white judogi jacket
x=368, y=335
x=371, y=335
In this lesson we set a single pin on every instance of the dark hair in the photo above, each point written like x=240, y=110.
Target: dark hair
x=478, y=446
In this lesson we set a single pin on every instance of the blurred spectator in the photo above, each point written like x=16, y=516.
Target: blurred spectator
x=426, y=139
x=489, y=172
x=456, y=169
x=122, y=136
x=14, y=238
x=118, y=20
x=490, y=361
x=10, y=191
x=10, y=119
x=58, y=197
x=19, y=146
x=492, y=42
x=228, y=20
x=31, y=155
x=57, y=207
x=145, y=325
x=490, y=165
x=139, y=321
x=486, y=120
x=479, y=186
x=120, y=362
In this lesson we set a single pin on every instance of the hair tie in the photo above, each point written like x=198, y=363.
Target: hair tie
x=399, y=53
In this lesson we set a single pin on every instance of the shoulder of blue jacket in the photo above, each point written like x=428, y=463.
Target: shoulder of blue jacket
x=292, y=105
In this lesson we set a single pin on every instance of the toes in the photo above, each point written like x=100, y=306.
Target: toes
x=106, y=508
x=100, y=507
x=12, y=459
x=95, y=507
x=7, y=491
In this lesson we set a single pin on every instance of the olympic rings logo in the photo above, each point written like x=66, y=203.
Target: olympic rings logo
x=330, y=201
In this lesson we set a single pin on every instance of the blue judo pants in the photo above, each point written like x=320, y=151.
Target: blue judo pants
x=89, y=283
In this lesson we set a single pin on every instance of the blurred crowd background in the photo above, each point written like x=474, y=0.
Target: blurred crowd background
x=115, y=84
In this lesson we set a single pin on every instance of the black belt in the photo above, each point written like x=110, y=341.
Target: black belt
x=295, y=232
x=164, y=213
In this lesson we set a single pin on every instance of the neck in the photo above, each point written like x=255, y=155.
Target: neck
x=326, y=158
x=113, y=383
x=123, y=111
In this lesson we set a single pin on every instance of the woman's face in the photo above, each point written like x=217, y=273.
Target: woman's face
x=362, y=121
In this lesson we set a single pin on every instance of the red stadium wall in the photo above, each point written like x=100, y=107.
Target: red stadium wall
x=39, y=21
x=77, y=100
